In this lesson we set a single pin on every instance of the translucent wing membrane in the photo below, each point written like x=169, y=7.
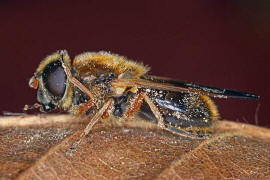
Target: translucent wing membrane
x=213, y=91
x=178, y=86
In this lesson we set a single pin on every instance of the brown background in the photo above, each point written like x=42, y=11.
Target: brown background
x=216, y=43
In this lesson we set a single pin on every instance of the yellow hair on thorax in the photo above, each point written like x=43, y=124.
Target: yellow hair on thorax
x=110, y=62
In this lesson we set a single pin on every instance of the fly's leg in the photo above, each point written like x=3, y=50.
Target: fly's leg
x=167, y=127
x=155, y=111
x=82, y=108
x=134, y=106
x=97, y=116
x=85, y=106
x=77, y=83
x=92, y=122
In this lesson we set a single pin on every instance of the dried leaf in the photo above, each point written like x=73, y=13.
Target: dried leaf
x=29, y=151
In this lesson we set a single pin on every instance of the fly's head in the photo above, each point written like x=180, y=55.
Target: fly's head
x=51, y=82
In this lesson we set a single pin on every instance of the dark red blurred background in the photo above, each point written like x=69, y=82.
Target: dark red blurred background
x=216, y=43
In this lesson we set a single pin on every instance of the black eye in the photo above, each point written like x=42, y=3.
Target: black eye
x=57, y=81
x=54, y=78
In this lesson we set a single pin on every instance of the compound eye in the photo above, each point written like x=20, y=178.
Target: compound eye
x=54, y=78
x=57, y=81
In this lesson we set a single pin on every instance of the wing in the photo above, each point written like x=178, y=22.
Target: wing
x=154, y=82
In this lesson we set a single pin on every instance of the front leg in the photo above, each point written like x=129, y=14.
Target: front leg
x=105, y=109
x=76, y=83
x=82, y=108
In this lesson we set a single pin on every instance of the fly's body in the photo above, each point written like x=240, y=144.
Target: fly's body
x=101, y=85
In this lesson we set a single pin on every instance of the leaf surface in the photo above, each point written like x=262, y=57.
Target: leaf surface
x=36, y=147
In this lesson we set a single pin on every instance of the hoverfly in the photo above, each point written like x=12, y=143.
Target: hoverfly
x=100, y=85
